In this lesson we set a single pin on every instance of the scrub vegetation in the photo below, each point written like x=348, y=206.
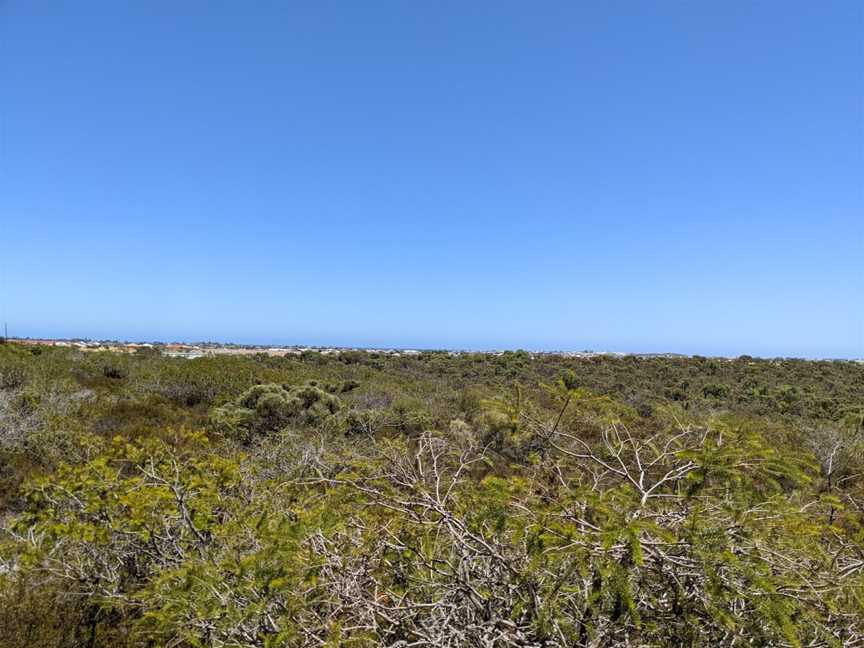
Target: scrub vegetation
x=362, y=499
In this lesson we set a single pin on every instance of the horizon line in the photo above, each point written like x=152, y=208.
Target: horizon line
x=419, y=349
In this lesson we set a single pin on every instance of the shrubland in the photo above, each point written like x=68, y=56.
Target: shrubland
x=365, y=499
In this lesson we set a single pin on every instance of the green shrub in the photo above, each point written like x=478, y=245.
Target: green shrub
x=267, y=408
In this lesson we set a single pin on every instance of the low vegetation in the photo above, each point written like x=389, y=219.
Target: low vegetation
x=431, y=500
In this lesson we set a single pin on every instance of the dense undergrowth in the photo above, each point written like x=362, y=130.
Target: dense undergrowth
x=430, y=500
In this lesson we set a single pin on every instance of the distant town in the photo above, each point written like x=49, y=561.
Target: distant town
x=192, y=350
x=204, y=349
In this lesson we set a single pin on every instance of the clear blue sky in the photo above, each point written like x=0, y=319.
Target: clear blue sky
x=634, y=176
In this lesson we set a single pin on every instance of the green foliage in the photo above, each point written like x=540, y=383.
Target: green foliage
x=426, y=500
x=267, y=408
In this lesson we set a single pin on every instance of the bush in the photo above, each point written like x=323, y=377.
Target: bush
x=12, y=377
x=714, y=391
x=114, y=372
x=409, y=416
x=365, y=422
x=263, y=409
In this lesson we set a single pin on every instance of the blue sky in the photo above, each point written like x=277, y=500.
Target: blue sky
x=651, y=176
